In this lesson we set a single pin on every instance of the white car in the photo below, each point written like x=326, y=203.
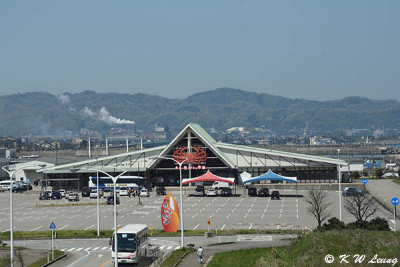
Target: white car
x=211, y=192
x=144, y=193
x=68, y=193
x=123, y=191
x=93, y=193
x=62, y=192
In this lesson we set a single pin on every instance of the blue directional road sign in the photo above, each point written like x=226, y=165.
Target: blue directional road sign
x=52, y=225
x=28, y=180
x=364, y=181
x=395, y=201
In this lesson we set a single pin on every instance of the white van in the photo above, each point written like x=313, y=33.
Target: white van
x=217, y=185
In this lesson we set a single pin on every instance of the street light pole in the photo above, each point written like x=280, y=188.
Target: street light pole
x=98, y=206
x=340, y=189
x=114, y=179
x=11, y=173
x=180, y=195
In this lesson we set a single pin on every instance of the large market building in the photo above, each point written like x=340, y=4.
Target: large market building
x=201, y=152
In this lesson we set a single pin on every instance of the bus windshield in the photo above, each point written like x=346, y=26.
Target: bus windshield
x=126, y=243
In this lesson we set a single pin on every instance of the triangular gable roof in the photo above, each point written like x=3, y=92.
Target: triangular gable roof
x=208, y=177
x=203, y=136
x=270, y=175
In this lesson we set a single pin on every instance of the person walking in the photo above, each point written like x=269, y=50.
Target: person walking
x=200, y=254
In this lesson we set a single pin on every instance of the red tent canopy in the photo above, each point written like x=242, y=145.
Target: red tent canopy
x=208, y=177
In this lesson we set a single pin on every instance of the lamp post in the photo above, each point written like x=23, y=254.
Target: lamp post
x=11, y=173
x=180, y=193
x=114, y=179
x=340, y=189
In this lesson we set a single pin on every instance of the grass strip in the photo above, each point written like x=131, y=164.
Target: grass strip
x=176, y=256
x=311, y=249
x=43, y=261
x=108, y=233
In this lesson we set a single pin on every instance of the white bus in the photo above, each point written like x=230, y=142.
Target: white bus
x=132, y=243
x=130, y=182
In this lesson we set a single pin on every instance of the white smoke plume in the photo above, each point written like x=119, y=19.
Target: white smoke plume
x=109, y=119
x=64, y=99
x=88, y=112
x=105, y=116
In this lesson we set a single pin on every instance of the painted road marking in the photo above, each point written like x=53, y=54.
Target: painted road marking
x=89, y=227
x=196, y=227
x=79, y=249
x=254, y=238
x=222, y=228
x=96, y=248
x=64, y=227
x=71, y=249
x=34, y=229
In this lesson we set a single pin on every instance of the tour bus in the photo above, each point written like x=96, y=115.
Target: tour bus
x=131, y=243
x=130, y=182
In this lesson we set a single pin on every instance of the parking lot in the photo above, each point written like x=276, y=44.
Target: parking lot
x=225, y=213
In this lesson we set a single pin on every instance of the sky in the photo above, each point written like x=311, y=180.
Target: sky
x=320, y=50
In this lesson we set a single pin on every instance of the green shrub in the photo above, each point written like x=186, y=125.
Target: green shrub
x=333, y=223
x=378, y=224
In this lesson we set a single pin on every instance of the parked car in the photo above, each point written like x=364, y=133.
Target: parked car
x=160, y=190
x=56, y=195
x=199, y=191
x=226, y=192
x=93, y=193
x=110, y=200
x=211, y=192
x=143, y=193
x=49, y=192
x=275, y=194
x=85, y=192
x=352, y=191
x=62, y=192
x=123, y=191
x=106, y=192
x=263, y=192
x=217, y=185
x=252, y=192
x=73, y=197
x=44, y=196
x=68, y=193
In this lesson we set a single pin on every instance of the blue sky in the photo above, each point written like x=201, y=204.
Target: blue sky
x=300, y=49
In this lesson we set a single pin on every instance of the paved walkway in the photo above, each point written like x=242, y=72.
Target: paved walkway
x=385, y=190
x=191, y=260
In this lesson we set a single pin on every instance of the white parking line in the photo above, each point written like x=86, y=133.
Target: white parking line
x=196, y=227
x=34, y=229
x=89, y=227
x=223, y=226
x=64, y=227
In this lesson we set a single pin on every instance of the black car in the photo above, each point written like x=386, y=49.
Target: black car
x=275, y=194
x=86, y=192
x=56, y=195
x=160, y=190
x=263, y=192
x=110, y=200
x=352, y=191
x=44, y=196
x=226, y=192
x=252, y=192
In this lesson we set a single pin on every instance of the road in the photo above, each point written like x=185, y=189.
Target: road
x=96, y=252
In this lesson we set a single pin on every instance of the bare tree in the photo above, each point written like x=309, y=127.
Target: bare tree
x=318, y=205
x=360, y=206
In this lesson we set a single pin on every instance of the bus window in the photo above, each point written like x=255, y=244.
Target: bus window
x=126, y=243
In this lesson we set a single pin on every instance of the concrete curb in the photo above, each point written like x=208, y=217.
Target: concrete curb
x=55, y=260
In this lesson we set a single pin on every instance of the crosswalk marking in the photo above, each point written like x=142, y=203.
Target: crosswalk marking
x=162, y=247
x=98, y=249
x=88, y=248
x=177, y=247
x=71, y=249
x=79, y=249
x=104, y=248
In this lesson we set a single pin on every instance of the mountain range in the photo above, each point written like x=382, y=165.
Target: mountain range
x=39, y=113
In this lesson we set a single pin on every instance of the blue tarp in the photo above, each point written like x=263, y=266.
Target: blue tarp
x=271, y=176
